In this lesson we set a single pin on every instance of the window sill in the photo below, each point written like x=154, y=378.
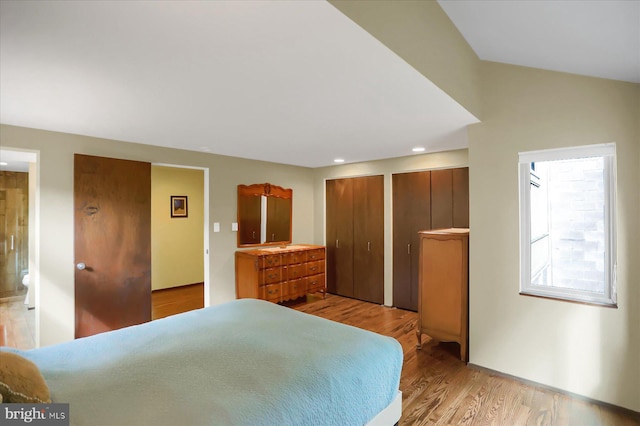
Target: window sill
x=565, y=298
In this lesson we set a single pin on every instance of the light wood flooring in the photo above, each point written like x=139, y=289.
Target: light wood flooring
x=19, y=323
x=437, y=388
x=176, y=300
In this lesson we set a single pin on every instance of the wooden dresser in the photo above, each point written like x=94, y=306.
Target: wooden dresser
x=278, y=274
x=443, y=300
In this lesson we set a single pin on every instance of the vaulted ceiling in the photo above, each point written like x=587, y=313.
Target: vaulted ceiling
x=293, y=82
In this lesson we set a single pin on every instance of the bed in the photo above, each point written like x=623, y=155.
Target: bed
x=246, y=362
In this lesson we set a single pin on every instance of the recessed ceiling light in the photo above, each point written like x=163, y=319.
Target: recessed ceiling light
x=339, y=160
x=418, y=149
x=2, y=163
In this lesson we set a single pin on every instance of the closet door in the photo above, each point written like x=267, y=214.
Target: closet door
x=441, y=199
x=339, y=237
x=368, y=238
x=461, y=197
x=411, y=213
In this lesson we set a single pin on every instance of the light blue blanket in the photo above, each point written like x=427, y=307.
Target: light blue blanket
x=246, y=362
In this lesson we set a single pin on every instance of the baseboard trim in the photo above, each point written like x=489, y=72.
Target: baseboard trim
x=626, y=411
x=174, y=287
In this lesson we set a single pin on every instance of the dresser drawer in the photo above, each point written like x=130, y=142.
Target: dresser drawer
x=313, y=255
x=296, y=271
x=278, y=274
x=271, y=261
x=272, y=292
x=316, y=283
x=271, y=276
x=296, y=288
x=296, y=257
x=315, y=267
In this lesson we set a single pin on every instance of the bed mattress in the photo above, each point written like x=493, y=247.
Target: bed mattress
x=246, y=362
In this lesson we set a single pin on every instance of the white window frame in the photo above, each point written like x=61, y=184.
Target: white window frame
x=608, y=153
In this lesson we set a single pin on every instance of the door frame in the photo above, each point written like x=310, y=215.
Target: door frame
x=32, y=157
x=206, y=249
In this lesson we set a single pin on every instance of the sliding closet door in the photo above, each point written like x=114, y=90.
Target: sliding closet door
x=339, y=238
x=441, y=199
x=411, y=213
x=355, y=238
x=368, y=238
x=461, y=197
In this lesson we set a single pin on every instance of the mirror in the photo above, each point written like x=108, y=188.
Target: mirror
x=264, y=215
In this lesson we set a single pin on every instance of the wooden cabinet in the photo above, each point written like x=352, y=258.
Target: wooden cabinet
x=443, y=307
x=355, y=237
x=278, y=274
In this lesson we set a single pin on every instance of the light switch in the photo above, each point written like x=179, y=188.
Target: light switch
x=234, y=226
x=216, y=226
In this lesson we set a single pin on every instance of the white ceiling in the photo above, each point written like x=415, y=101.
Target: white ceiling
x=292, y=82
x=598, y=38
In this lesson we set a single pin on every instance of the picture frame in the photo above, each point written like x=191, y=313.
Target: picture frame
x=179, y=206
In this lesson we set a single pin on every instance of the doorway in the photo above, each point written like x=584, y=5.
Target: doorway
x=14, y=233
x=179, y=237
x=18, y=245
x=135, y=269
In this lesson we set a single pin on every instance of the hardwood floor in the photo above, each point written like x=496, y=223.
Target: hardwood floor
x=19, y=323
x=437, y=388
x=174, y=300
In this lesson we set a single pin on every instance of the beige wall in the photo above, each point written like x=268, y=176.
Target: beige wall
x=177, y=244
x=388, y=167
x=589, y=350
x=422, y=34
x=56, y=296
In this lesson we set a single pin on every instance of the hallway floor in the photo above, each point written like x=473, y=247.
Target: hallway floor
x=19, y=323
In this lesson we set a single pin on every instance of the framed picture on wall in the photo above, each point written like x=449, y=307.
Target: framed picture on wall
x=179, y=206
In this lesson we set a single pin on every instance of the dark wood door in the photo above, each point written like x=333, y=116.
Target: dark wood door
x=339, y=237
x=112, y=203
x=441, y=199
x=411, y=213
x=461, y=197
x=368, y=238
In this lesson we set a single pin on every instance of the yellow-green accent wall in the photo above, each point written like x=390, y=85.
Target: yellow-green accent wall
x=177, y=244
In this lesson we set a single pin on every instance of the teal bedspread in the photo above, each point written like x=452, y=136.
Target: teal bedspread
x=246, y=362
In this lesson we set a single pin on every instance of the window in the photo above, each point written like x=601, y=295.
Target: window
x=567, y=224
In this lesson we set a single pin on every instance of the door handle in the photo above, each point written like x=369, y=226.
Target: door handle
x=408, y=248
x=368, y=245
x=12, y=242
x=81, y=266
x=337, y=243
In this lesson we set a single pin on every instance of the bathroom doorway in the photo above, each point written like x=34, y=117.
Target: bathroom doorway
x=14, y=232
x=18, y=247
